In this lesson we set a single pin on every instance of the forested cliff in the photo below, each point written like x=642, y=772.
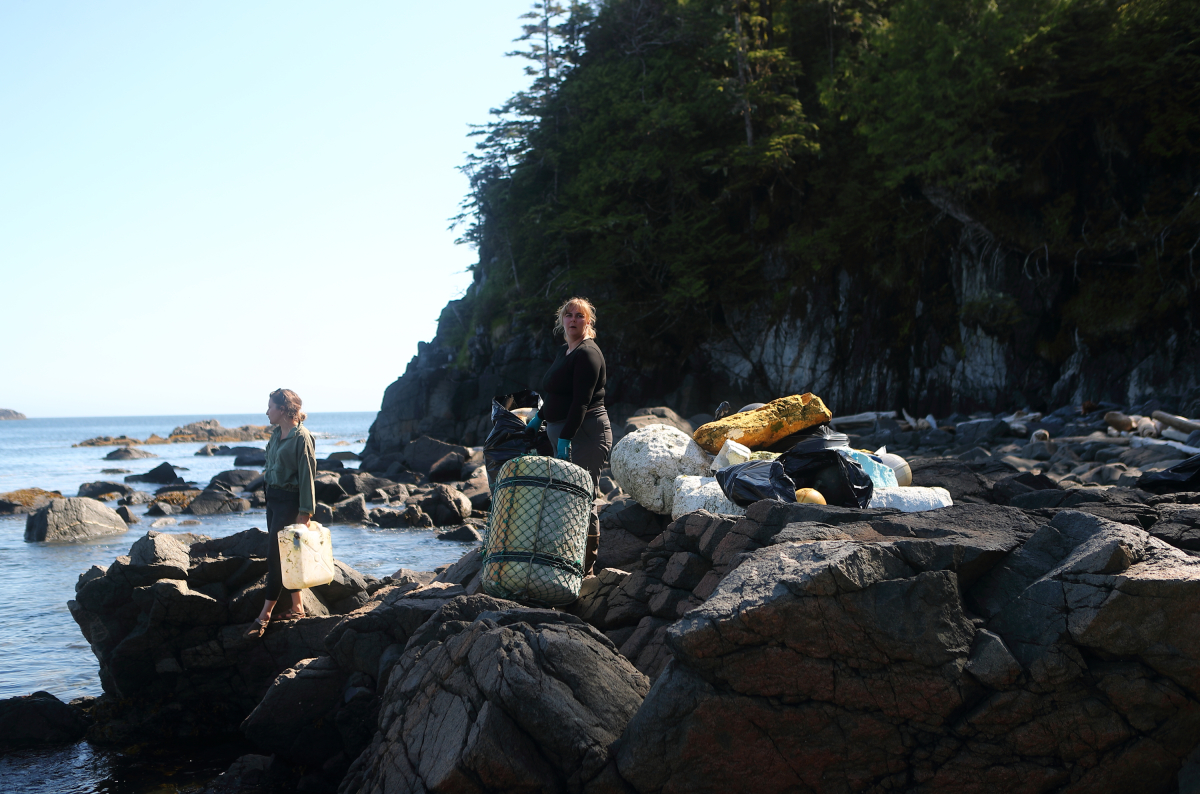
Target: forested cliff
x=934, y=204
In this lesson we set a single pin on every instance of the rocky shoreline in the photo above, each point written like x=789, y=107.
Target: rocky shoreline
x=206, y=431
x=1038, y=635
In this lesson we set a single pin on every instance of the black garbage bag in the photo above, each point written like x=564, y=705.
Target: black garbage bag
x=1183, y=476
x=842, y=481
x=747, y=483
x=509, y=437
x=821, y=436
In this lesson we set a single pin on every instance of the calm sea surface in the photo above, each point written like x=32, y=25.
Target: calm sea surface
x=41, y=646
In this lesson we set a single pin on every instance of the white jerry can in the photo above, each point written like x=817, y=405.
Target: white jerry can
x=306, y=556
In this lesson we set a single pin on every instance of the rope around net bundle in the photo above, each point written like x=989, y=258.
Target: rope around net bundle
x=537, y=529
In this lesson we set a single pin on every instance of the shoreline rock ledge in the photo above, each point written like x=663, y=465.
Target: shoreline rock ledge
x=166, y=623
x=796, y=648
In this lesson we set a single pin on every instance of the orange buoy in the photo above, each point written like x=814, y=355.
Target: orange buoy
x=809, y=496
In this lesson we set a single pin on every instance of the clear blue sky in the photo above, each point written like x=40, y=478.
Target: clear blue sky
x=201, y=202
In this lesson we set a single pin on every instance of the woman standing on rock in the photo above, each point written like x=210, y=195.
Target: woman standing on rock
x=573, y=393
x=291, y=465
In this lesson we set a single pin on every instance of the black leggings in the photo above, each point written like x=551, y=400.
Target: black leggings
x=589, y=450
x=282, y=508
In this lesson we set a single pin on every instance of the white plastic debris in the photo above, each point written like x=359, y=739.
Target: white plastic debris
x=646, y=462
x=1136, y=441
x=880, y=472
x=695, y=460
x=730, y=454
x=913, y=499
x=1175, y=435
x=897, y=464
x=701, y=493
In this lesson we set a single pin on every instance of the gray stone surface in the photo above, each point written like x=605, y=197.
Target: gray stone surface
x=167, y=625
x=72, y=519
x=831, y=665
x=217, y=499
x=493, y=697
x=351, y=510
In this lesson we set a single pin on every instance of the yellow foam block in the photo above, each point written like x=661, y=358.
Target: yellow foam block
x=762, y=427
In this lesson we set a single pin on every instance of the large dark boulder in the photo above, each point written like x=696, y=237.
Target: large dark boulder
x=447, y=506
x=93, y=490
x=358, y=482
x=625, y=529
x=328, y=488
x=351, y=510
x=162, y=474
x=167, y=625
x=447, y=468
x=251, y=457
x=236, y=478
x=217, y=499
x=421, y=454
x=129, y=453
x=494, y=697
x=831, y=665
x=296, y=716
x=1178, y=525
x=39, y=718
x=72, y=519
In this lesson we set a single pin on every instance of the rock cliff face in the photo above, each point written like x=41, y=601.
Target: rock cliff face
x=834, y=341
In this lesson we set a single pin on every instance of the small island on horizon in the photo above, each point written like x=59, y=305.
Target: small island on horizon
x=8, y=413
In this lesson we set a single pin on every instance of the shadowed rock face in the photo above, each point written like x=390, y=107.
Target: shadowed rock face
x=167, y=624
x=977, y=648
x=39, y=718
x=489, y=696
x=854, y=665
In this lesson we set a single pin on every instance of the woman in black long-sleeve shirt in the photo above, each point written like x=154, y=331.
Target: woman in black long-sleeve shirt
x=573, y=407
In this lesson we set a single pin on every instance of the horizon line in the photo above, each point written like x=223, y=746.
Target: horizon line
x=166, y=416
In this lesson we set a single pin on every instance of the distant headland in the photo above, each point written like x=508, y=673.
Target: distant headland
x=8, y=413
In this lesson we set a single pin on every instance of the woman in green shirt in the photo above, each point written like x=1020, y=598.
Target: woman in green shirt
x=291, y=465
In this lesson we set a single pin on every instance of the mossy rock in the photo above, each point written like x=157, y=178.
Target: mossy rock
x=29, y=497
x=180, y=499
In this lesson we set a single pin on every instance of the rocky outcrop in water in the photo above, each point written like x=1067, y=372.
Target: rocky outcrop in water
x=72, y=519
x=167, y=622
x=8, y=413
x=26, y=500
x=206, y=431
x=39, y=718
x=128, y=453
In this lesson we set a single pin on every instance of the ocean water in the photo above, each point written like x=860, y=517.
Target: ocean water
x=41, y=646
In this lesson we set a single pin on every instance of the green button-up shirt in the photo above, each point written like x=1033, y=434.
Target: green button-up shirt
x=292, y=464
